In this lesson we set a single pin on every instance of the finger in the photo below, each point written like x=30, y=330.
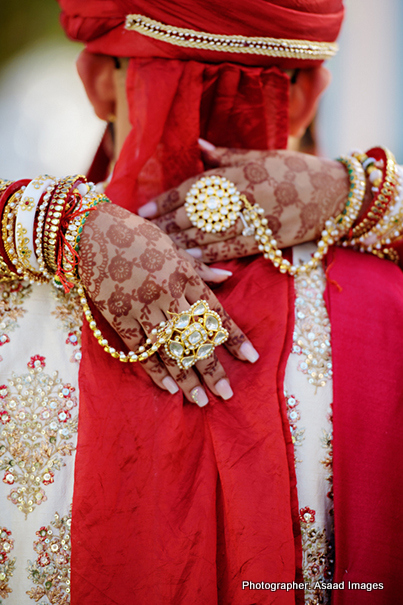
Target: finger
x=135, y=336
x=171, y=222
x=215, y=377
x=224, y=157
x=187, y=380
x=208, y=274
x=238, y=343
x=193, y=237
x=166, y=202
x=238, y=247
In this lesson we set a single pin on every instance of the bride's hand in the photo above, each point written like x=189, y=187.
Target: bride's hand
x=298, y=193
x=135, y=276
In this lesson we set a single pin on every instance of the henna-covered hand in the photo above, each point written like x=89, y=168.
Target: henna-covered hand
x=135, y=275
x=298, y=193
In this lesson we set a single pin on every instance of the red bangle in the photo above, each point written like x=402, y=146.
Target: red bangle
x=59, y=202
x=6, y=265
x=385, y=194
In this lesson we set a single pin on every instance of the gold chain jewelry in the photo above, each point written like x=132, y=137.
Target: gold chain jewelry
x=188, y=337
x=213, y=204
x=269, y=47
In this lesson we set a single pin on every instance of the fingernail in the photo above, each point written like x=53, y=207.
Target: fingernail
x=170, y=385
x=249, y=352
x=199, y=396
x=148, y=210
x=206, y=145
x=223, y=389
x=218, y=271
x=195, y=252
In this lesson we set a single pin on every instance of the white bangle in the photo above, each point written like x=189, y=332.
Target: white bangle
x=25, y=221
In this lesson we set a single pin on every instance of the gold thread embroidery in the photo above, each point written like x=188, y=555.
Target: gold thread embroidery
x=7, y=566
x=70, y=319
x=317, y=561
x=271, y=47
x=51, y=571
x=12, y=296
x=37, y=418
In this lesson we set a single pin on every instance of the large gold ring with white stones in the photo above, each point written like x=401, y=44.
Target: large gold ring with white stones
x=194, y=334
x=213, y=204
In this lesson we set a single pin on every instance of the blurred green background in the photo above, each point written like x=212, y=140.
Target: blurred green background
x=25, y=22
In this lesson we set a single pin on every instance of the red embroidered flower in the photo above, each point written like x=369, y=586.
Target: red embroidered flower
x=4, y=417
x=64, y=416
x=8, y=478
x=3, y=391
x=43, y=560
x=36, y=361
x=6, y=544
x=4, y=339
x=307, y=515
x=42, y=532
x=72, y=339
x=67, y=390
x=48, y=478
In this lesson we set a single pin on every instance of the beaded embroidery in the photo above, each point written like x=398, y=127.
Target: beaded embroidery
x=270, y=47
x=7, y=566
x=12, y=297
x=312, y=328
x=317, y=560
x=37, y=418
x=69, y=314
x=297, y=434
x=51, y=571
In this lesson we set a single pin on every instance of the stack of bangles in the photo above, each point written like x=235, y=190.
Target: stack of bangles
x=42, y=221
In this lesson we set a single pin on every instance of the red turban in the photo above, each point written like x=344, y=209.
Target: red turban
x=241, y=102
x=101, y=25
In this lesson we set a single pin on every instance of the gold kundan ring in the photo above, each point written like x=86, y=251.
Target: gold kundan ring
x=188, y=337
x=213, y=204
x=194, y=334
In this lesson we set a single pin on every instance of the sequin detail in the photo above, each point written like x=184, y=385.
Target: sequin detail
x=12, y=297
x=70, y=315
x=317, y=558
x=297, y=433
x=50, y=573
x=312, y=328
x=7, y=565
x=38, y=416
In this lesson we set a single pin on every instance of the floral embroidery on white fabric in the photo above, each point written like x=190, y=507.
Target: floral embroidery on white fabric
x=327, y=461
x=312, y=328
x=50, y=573
x=317, y=559
x=37, y=417
x=7, y=565
x=69, y=313
x=12, y=297
x=297, y=433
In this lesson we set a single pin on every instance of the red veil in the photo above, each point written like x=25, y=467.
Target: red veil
x=175, y=504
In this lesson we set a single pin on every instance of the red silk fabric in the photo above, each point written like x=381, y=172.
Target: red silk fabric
x=176, y=504
x=173, y=103
x=367, y=335
x=100, y=24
